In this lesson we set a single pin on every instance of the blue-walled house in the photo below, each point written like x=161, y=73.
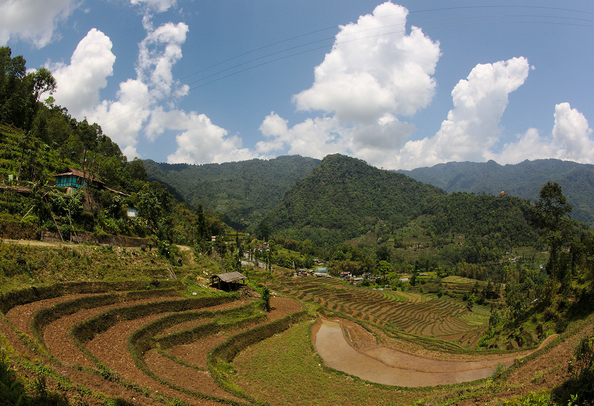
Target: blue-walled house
x=74, y=179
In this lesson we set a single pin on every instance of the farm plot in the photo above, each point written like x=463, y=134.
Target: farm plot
x=410, y=312
x=146, y=346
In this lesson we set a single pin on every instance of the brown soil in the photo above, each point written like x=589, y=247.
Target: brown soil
x=60, y=344
x=110, y=347
x=185, y=377
x=194, y=323
x=541, y=373
x=196, y=353
x=13, y=338
x=111, y=389
x=20, y=316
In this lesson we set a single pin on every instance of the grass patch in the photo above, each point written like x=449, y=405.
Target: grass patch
x=285, y=370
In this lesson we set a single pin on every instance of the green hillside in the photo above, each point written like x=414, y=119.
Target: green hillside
x=243, y=191
x=103, y=194
x=523, y=180
x=344, y=198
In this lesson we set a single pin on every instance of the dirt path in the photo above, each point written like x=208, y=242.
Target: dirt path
x=36, y=243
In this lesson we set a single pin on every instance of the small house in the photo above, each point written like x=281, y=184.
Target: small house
x=228, y=281
x=74, y=179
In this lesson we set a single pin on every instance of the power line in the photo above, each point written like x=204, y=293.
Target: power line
x=327, y=39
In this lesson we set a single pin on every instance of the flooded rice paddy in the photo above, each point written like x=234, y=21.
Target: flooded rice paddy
x=391, y=367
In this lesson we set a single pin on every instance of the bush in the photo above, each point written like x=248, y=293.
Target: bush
x=266, y=298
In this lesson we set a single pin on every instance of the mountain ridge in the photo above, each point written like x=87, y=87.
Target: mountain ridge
x=523, y=180
x=345, y=198
x=243, y=191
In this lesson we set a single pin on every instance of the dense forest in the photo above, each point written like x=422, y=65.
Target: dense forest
x=523, y=180
x=344, y=198
x=243, y=191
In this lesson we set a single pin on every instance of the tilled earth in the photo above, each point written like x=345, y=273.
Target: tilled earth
x=111, y=348
x=192, y=375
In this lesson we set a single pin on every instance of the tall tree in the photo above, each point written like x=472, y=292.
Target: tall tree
x=550, y=214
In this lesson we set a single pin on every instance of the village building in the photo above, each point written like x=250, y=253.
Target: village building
x=73, y=179
x=228, y=281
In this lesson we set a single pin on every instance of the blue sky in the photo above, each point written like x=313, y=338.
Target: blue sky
x=398, y=84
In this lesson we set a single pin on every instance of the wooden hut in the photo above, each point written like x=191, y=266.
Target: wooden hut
x=228, y=281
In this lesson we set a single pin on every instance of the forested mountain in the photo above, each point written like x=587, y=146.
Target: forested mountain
x=523, y=180
x=344, y=197
x=243, y=191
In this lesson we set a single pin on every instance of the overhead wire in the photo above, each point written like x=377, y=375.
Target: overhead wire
x=333, y=38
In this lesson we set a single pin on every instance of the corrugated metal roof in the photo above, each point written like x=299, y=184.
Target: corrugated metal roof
x=231, y=277
x=80, y=174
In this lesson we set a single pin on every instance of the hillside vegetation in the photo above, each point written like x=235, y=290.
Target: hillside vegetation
x=40, y=140
x=241, y=191
x=523, y=180
x=344, y=198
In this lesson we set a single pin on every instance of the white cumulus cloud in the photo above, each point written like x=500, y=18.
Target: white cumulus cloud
x=374, y=68
x=34, y=21
x=315, y=138
x=573, y=134
x=374, y=74
x=158, y=53
x=200, y=141
x=472, y=126
x=571, y=139
x=79, y=82
x=145, y=105
x=123, y=118
x=156, y=5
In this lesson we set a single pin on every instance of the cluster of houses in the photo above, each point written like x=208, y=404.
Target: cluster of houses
x=322, y=272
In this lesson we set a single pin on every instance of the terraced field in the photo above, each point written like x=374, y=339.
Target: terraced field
x=136, y=343
x=412, y=313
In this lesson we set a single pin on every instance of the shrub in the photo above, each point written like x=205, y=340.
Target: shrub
x=266, y=298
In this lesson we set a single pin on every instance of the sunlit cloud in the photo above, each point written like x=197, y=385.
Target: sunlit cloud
x=33, y=20
x=472, y=126
x=375, y=73
x=571, y=139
